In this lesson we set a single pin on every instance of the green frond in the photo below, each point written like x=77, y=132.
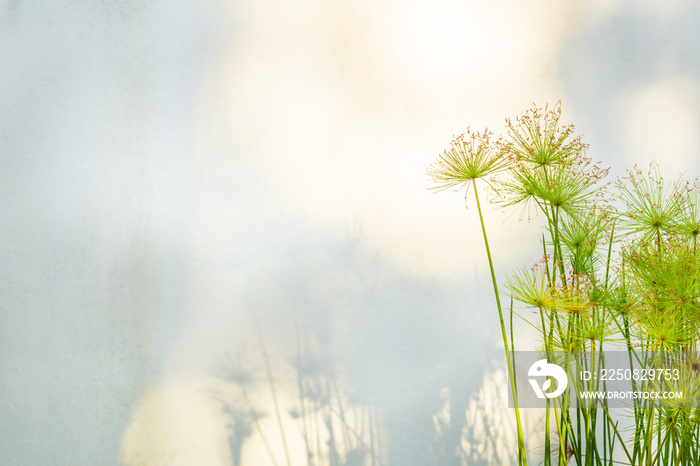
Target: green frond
x=665, y=285
x=537, y=138
x=565, y=186
x=593, y=326
x=584, y=232
x=531, y=287
x=653, y=207
x=688, y=220
x=471, y=155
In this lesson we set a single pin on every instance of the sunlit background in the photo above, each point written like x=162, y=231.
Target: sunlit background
x=218, y=245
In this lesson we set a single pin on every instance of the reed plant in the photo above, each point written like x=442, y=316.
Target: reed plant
x=620, y=270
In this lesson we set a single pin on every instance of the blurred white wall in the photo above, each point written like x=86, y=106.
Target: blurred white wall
x=96, y=201
x=180, y=178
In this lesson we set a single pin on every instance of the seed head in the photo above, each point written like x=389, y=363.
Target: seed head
x=536, y=138
x=471, y=155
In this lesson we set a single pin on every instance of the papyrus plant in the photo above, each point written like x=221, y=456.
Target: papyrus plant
x=620, y=269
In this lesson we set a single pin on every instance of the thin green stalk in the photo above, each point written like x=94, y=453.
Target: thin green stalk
x=547, y=445
x=606, y=425
x=511, y=370
x=557, y=245
x=658, y=453
x=650, y=433
x=607, y=265
x=512, y=340
x=547, y=441
x=592, y=444
x=617, y=433
x=563, y=426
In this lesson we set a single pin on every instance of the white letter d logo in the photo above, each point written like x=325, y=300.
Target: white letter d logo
x=542, y=368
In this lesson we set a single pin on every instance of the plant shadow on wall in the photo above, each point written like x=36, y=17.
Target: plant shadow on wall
x=619, y=270
x=383, y=372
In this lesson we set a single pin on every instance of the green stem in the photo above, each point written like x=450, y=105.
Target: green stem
x=511, y=370
x=613, y=424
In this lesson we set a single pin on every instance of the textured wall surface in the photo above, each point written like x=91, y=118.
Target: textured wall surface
x=96, y=201
x=216, y=236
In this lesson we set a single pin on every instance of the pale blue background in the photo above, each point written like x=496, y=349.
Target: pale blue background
x=176, y=174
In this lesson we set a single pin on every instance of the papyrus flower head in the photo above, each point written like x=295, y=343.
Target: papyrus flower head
x=537, y=138
x=471, y=155
x=653, y=206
